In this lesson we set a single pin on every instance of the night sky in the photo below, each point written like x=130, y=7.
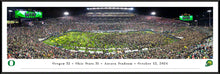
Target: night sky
x=168, y=12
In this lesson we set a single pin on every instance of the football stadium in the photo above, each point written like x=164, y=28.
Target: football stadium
x=108, y=33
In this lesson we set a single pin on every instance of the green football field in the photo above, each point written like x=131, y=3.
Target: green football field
x=72, y=40
x=93, y=41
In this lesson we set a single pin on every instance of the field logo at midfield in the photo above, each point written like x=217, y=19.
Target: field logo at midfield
x=11, y=64
x=209, y=63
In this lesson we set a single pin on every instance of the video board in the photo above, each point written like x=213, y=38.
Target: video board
x=28, y=14
x=186, y=18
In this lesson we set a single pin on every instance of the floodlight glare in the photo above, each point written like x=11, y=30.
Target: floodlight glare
x=10, y=11
x=131, y=8
x=209, y=11
x=153, y=13
x=66, y=13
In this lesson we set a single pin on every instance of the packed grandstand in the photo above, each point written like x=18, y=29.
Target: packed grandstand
x=110, y=34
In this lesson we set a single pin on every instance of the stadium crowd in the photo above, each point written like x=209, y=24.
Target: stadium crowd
x=23, y=42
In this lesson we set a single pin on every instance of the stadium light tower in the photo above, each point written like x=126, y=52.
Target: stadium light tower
x=10, y=12
x=196, y=22
x=209, y=11
x=66, y=13
x=153, y=13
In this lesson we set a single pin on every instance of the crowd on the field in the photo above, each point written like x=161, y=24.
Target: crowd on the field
x=23, y=43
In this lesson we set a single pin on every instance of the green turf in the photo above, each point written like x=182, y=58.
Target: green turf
x=72, y=40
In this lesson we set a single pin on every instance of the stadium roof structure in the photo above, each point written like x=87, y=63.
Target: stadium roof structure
x=110, y=8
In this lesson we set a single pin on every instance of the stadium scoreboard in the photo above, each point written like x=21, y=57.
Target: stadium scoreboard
x=28, y=14
x=186, y=18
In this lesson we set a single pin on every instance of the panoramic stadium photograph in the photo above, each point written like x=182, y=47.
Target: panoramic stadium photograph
x=110, y=33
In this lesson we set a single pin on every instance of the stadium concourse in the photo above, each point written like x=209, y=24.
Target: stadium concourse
x=168, y=39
